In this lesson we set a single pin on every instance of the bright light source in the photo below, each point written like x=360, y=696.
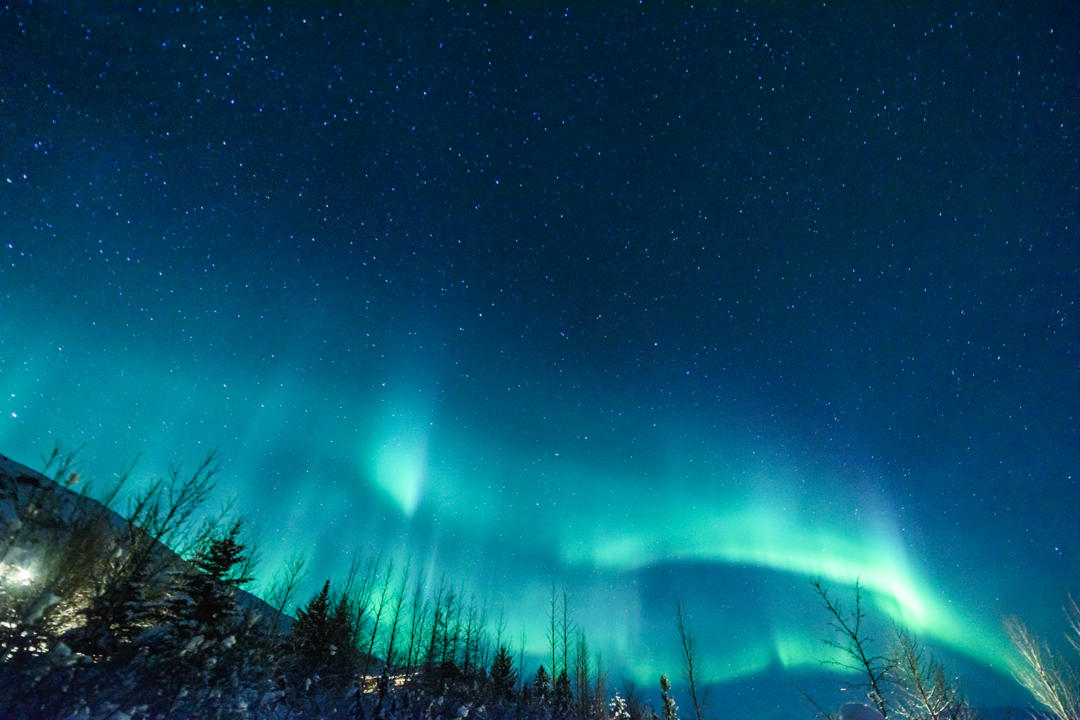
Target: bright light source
x=22, y=576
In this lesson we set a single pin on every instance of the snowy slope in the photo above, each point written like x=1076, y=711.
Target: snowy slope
x=37, y=513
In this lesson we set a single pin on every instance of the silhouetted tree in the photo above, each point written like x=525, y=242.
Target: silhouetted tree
x=220, y=568
x=670, y=709
x=503, y=675
x=854, y=643
x=311, y=638
x=691, y=661
x=564, y=696
x=541, y=688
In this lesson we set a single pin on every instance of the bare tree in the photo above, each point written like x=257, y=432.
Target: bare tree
x=564, y=628
x=360, y=584
x=284, y=585
x=855, y=643
x=418, y=611
x=485, y=650
x=1049, y=679
x=380, y=606
x=553, y=634
x=476, y=644
x=438, y=621
x=161, y=513
x=500, y=628
x=395, y=618
x=581, y=675
x=68, y=575
x=454, y=609
x=108, y=498
x=471, y=641
x=599, y=708
x=691, y=660
x=521, y=658
x=76, y=563
x=921, y=688
x=62, y=464
x=635, y=703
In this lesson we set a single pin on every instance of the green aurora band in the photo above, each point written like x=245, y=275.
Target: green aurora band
x=624, y=531
x=602, y=527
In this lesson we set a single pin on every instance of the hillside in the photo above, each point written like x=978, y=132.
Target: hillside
x=39, y=517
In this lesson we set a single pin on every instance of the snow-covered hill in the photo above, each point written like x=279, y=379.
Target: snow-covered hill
x=39, y=516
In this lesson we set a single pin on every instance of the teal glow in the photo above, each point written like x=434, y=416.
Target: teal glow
x=395, y=456
x=794, y=648
x=707, y=314
x=760, y=533
x=399, y=469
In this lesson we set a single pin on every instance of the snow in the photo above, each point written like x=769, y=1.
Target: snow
x=859, y=711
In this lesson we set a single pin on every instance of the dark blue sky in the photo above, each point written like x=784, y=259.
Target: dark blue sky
x=654, y=301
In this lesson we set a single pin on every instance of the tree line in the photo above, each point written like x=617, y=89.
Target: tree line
x=144, y=614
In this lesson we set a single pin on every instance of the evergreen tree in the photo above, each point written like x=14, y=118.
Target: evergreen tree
x=541, y=686
x=311, y=632
x=197, y=653
x=503, y=675
x=342, y=633
x=219, y=572
x=223, y=558
x=564, y=695
x=670, y=708
x=619, y=709
x=112, y=619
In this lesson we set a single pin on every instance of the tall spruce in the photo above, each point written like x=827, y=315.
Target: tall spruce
x=220, y=569
x=542, y=686
x=311, y=638
x=503, y=675
x=564, y=695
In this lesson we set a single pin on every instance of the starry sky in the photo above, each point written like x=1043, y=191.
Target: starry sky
x=654, y=301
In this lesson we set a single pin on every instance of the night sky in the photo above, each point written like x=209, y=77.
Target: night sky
x=652, y=302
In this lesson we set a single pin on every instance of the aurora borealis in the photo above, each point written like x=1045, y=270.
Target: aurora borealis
x=655, y=302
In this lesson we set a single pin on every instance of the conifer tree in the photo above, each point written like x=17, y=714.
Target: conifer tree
x=541, y=686
x=670, y=708
x=111, y=619
x=503, y=675
x=564, y=695
x=223, y=557
x=342, y=633
x=196, y=652
x=619, y=709
x=311, y=633
x=220, y=567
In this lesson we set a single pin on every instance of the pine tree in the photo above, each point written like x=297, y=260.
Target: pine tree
x=541, y=686
x=223, y=558
x=197, y=651
x=619, y=710
x=311, y=633
x=343, y=634
x=670, y=708
x=503, y=675
x=116, y=616
x=219, y=572
x=564, y=695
